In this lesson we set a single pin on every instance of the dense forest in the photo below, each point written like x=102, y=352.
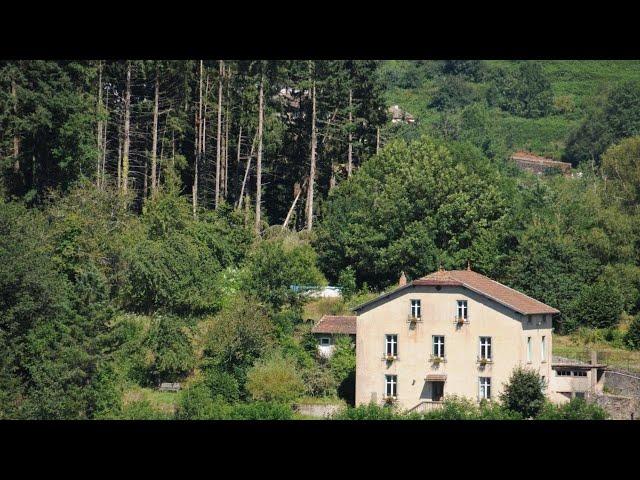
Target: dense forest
x=155, y=214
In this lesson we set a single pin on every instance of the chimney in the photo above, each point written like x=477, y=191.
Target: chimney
x=403, y=280
x=594, y=371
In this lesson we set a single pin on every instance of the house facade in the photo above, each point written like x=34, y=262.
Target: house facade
x=449, y=333
x=329, y=327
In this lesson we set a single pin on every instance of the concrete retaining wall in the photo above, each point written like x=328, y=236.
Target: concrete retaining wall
x=619, y=407
x=622, y=383
x=320, y=411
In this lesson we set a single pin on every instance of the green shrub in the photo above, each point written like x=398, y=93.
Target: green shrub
x=368, y=412
x=139, y=410
x=173, y=354
x=196, y=403
x=261, y=411
x=221, y=384
x=576, y=409
x=275, y=379
x=523, y=393
x=632, y=337
x=598, y=305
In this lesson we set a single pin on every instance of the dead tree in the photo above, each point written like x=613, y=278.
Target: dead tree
x=312, y=170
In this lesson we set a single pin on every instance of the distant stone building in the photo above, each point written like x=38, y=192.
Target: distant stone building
x=539, y=165
x=400, y=116
x=328, y=327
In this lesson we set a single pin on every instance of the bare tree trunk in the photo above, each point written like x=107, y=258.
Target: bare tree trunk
x=145, y=185
x=312, y=170
x=103, y=178
x=127, y=122
x=297, y=192
x=194, y=188
x=377, y=140
x=100, y=128
x=350, y=159
x=154, y=142
x=246, y=172
x=235, y=182
x=219, y=131
x=226, y=141
x=203, y=135
x=16, y=139
x=259, y=159
x=119, y=160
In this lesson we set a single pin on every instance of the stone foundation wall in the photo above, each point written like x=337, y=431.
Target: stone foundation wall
x=622, y=383
x=619, y=407
x=319, y=411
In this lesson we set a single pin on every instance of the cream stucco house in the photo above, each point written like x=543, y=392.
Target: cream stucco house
x=450, y=333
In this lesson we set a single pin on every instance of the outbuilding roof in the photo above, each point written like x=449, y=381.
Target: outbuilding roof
x=336, y=324
x=478, y=283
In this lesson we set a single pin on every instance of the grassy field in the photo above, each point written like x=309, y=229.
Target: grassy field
x=576, y=84
x=574, y=346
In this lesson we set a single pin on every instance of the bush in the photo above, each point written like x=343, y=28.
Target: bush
x=261, y=411
x=173, y=354
x=523, y=393
x=347, y=282
x=221, y=385
x=343, y=366
x=632, y=337
x=368, y=412
x=277, y=264
x=576, y=409
x=598, y=305
x=453, y=92
x=138, y=410
x=275, y=379
x=525, y=92
x=239, y=335
x=196, y=403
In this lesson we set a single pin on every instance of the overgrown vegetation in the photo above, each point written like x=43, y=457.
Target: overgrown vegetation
x=120, y=270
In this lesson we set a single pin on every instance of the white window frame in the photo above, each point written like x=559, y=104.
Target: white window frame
x=485, y=345
x=529, y=349
x=484, y=388
x=416, y=308
x=437, y=349
x=462, y=309
x=322, y=339
x=391, y=340
x=391, y=386
x=543, y=348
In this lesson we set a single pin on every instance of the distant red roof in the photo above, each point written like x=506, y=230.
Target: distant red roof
x=476, y=282
x=537, y=164
x=336, y=324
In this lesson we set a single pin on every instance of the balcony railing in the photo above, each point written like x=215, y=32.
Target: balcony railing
x=426, y=406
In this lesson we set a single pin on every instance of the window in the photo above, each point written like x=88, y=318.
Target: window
x=391, y=345
x=438, y=346
x=563, y=373
x=542, y=348
x=325, y=341
x=579, y=373
x=391, y=385
x=416, y=308
x=579, y=395
x=484, y=387
x=485, y=348
x=462, y=309
x=528, y=349
x=529, y=318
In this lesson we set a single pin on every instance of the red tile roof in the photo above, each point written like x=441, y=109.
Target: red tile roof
x=476, y=282
x=336, y=324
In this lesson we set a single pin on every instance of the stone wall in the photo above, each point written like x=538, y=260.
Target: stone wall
x=319, y=411
x=619, y=407
x=622, y=383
